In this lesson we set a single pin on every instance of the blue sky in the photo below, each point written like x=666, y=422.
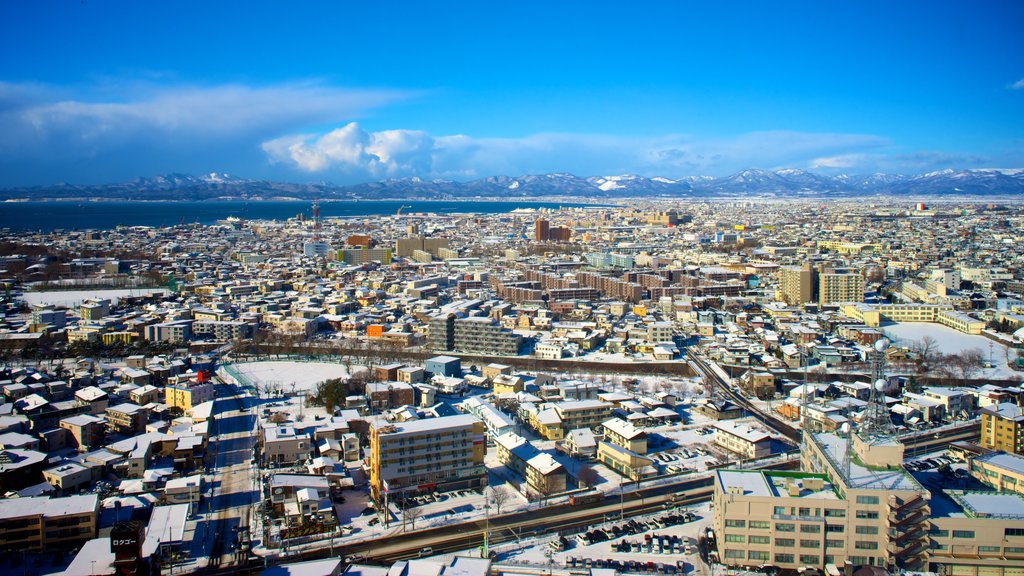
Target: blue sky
x=346, y=92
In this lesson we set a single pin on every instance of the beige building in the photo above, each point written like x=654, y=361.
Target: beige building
x=542, y=473
x=861, y=505
x=1002, y=428
x=797, y=284
x=426, y=455
x=625, y=435
x=38, y=523
x=835, y=288
x=624, y=461
x=1000, y=470
x=742, y=440
x=284, y=445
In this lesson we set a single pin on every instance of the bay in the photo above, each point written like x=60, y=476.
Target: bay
x=56, y=215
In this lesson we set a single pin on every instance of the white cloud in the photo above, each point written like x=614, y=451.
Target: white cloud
x=352, y=151
x=838, y=162
x=53, y=132
x=1018, y=85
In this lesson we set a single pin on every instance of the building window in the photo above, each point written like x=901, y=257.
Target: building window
x=785, y=528
x=832, y=513
x=862, y=545
x=867, y=500
x=760, y=524
x=1013, y=532
x=734, y=554
x=808, y=560
x=785, y=542
x=759, y=540
x=867, y=529
x=810, y=544
x=835, y=528
x=735, y=523
x=865, y=515
x=988, y=549
x=734, y=538
x=936, y=533
x=783, y=558
x=757, y=555
x=810, y=529
x=963, y=534
x=834, y=544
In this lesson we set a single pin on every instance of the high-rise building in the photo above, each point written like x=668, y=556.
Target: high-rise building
x=836, y=288
x=541, y=230
x=1002, y=427
x=798, y=284
x=426, y=455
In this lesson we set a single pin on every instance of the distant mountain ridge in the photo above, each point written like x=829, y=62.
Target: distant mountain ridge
x=786, y=183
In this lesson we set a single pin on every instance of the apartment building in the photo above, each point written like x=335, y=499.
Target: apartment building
x=582, y=413
x=495, y=421
x=624, y=434
x=798, y=284
x=43, y=523
x=431, y=454
x=188, y=393
x=742, y=440
x=386, y=395
x=1002, y=428
x=127, y=418
x=484, y=336
x=836, y=288
x=542, y=473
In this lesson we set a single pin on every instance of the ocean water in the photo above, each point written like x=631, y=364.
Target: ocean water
x=47, y=216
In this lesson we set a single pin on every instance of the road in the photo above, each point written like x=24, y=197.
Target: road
x=229, y=506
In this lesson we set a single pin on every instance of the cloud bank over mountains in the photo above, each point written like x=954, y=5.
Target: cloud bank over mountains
x=310, y=131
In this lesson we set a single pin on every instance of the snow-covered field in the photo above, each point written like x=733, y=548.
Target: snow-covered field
x=950, y=341
x=283, y=375
x=73, y=298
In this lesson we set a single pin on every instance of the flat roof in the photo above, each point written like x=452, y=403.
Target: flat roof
x=428, y=424
x=989, y=504
x=862, y=477
x=166, y=526
x=1006, y=461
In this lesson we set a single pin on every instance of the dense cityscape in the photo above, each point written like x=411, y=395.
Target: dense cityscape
x=659, y=288
x=654, y=387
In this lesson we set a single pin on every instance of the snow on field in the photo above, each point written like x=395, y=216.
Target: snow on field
x=73, y=298
x=303, y=375
x=950, y=341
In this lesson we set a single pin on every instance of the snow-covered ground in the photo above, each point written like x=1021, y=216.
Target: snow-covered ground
x=535, y=551
x=284, y=375
x=950, y=341
x=73, y=298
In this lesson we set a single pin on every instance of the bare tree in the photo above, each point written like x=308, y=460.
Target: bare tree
x=927, y=347
x=411, y=514
x=498, y=498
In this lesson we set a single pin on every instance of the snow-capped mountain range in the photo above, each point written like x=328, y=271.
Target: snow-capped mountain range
x=753, y=182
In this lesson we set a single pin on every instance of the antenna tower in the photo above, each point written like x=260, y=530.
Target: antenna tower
x=876, y=427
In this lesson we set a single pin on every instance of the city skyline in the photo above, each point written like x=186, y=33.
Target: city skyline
x=347, y=94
